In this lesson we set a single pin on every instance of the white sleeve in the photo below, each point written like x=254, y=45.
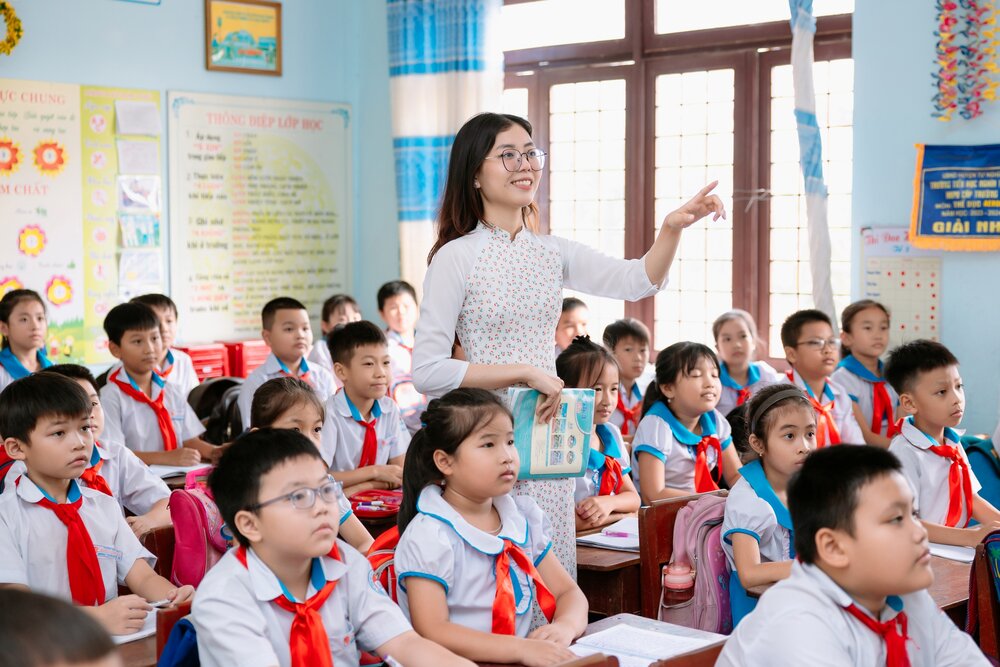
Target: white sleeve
x=377, y=618
x=952, y=647
x=850, y=430
x=231, y=628
x=434, y=371
x=814, y=644
x=594, y=272
x=13, y=569
x=139, y=488
x=910, y=461
x=112, y=406
x=329, y=435
x=425, y=554
x=722, y=429
x=401, y=441
x=749, y=516
x=245, y=400
x=190, y=426
x=128, y=544
x=652, y=436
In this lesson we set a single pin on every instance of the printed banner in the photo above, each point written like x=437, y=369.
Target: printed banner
x=956, y=198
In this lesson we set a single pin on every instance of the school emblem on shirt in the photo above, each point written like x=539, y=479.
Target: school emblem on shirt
x=108, y=552
x=375, y=584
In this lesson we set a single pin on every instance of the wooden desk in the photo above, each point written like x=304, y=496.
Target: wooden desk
x=140, y=653
x=609, y=579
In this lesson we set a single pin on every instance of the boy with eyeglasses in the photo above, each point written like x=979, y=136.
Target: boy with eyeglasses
x=812, y=351
x=291, y=593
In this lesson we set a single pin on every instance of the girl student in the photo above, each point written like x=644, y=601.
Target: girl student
x=757, y=528
x=288, y=402
x=472, y=559
x=606, y=491
x=23, y=327
x=864, y=335
x=735, y=334
x=681, y=436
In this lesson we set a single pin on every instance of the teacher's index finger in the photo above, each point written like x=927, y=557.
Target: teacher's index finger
x=708, y=188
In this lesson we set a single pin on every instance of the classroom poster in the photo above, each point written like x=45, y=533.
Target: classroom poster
x=956, y=198
x=40, y=205
x=260, y=206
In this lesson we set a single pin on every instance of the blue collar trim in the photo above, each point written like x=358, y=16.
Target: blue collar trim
x=681, y=432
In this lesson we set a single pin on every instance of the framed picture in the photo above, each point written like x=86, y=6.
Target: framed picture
x=243, y=36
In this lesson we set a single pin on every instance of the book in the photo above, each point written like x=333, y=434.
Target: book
x=638, y=647
x=961, y=554
x=559, y=448
x=622, y=535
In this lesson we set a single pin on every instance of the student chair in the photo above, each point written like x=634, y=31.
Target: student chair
x=166, y=619
x=160, y=542
x=656, y=543
x=984, y=608
x=703, y=657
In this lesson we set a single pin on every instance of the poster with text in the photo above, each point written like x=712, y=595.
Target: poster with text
x=260, y=206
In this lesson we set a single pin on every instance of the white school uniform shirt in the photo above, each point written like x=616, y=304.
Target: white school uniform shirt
x=753, y=509
x=858, y=382
x=238, y=623
x=343, y=437
x=927, y=472
x=133, y=423
x=320, y=379
x=759, y=375
x=411, y=402
x=441, y=546
x=33, y=540
x=843, y=410
x=661, y=435
x=802, y=620
x=12, y=369
x=613, y=446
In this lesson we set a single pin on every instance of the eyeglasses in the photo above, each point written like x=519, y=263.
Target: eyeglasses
x=820, y=343
x=513, y=159
x=303, y=499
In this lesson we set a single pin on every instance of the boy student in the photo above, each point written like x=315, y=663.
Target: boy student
x=397, y=306
x=812, y=351
x=364, y=435
x=572, y=322
x=175, y=366
x=628, y=340
x=338, y=309
x=291, y=593
x=148, y=414
x=286, y=330
x=857, y=593
x=57, y=537
x=925, y=374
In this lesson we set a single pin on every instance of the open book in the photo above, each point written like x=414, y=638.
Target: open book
x=637, y=647
x=622, y=535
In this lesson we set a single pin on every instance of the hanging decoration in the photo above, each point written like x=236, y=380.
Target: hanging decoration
x=14, y=30
x=966, y=75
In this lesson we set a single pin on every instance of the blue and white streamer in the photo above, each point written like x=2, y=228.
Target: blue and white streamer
x=445, y=65
x=811, y=155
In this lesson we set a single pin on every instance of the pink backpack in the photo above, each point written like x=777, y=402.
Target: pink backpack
x=200, y=535
x=698, y=544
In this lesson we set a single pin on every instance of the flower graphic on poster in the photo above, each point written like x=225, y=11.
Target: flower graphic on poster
x=10, y=157
x=97, y=123
x=9, y=283
x=97, y=160
x=59, y=290
x=50, y=157
x=31, y=240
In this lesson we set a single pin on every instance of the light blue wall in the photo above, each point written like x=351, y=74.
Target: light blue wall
x=333, y=50
x=894, y=59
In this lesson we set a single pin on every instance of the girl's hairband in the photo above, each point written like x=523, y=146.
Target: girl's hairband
x=791, y=392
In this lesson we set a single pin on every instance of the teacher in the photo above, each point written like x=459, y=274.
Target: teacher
x=495, y=285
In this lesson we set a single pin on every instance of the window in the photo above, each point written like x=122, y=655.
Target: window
x=526, y=25
x=682, y=15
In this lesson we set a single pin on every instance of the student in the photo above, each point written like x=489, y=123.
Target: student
x=150, y=416
x=472, y=558
x=338, y=309
x=175, y=366
x=364, y=435
x=23, y=327
x=42, y=631
x=288, y=402
x=286, y=330
x=735, y=335
x=572, y=322
x=811, y=350
x=45, y=421
x=397, y=306
x=864, y=336
x=756, y=529
x=931, y=393
x=857, y=591
x=681, y=436
x=605, y=491
x=291, y=593
x=628, y=340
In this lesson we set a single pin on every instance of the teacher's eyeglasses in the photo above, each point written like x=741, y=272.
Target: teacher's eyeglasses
x=512, y=159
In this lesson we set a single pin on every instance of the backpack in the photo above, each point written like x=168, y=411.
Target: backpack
x=986, y=465
x=382, y=558
x=225, y=422
x=181, y=647
x=698, y=544
x=200, y=535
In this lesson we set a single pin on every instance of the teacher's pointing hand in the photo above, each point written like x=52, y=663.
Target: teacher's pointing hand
x=696, y=208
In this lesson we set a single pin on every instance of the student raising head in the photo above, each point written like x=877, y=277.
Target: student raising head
x=572, y=322
x=45, y=422
x=175, y=366
x=682, y=437
x=857, y=591
x=23, y=327
x=290, y=593
x=606, y=490
x=290, y=403
x=757, y=529
x=735, y=334
x=628, y=340
x=472, y=558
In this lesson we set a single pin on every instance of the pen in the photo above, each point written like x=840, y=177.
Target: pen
x=616, y=533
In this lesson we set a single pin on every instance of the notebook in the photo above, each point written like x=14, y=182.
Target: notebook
x=559, y=448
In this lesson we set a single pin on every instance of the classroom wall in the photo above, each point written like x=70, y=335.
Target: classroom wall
x=334, y=50
x=894, y=57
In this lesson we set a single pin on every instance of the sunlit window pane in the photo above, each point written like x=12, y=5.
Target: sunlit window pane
x=515, y=101
x=682, y=15
x=526, y=25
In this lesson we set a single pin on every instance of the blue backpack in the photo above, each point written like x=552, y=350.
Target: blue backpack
x=986, y=465
x=181, y=649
